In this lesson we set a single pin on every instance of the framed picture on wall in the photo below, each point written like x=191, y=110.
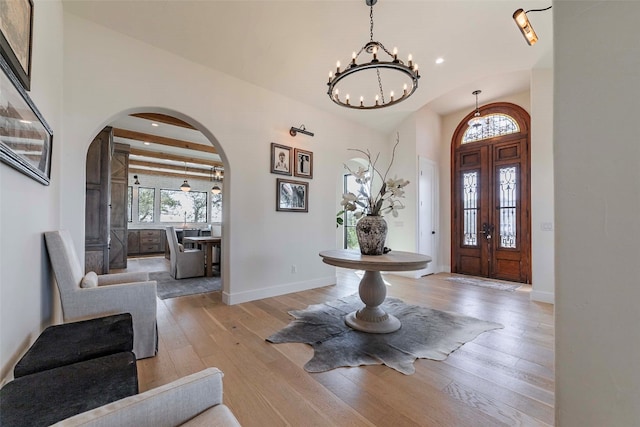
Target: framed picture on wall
x=303, y=163
x=292, y=196
x=26, y=138
x=280, y=159
x=16, y=32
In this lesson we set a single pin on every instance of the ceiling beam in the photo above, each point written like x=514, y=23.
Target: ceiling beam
x=178, y=169
x=162, y=140
x=181, y=176
x=163, y=118
x=174, y=157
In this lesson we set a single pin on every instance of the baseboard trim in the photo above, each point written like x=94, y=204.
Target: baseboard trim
x=274, y=291
x=540, y=296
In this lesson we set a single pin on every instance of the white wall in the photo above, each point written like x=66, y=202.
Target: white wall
x=108, y=74
x=28, y=208
x=597, y=200
x=542, y=234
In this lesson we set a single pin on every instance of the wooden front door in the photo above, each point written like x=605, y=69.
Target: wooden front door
x=491, y=196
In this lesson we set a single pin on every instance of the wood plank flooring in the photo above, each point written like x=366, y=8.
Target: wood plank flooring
x=503, y=377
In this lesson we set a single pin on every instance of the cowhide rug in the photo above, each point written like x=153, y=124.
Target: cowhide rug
x=425, y=333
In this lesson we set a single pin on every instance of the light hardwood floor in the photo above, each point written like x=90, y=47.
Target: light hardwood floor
x=503, y=377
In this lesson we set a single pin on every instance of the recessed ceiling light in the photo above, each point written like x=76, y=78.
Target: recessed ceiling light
x=439, y=60
x=155, y=124
x=147, y=143
x=27, y=122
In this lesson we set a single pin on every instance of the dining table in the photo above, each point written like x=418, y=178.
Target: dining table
x=207, y=243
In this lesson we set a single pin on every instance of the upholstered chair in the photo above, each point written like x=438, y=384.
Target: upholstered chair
x=86, y=296
x=184, y=262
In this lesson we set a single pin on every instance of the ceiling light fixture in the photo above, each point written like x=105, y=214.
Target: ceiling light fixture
x=185, y=185
x=403, y=78
x=216, y=176
x=136, y=180
x=476, y=121
x=522, y=21
x=294, y=131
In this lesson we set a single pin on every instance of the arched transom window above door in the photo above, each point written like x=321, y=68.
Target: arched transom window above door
x=496, y=124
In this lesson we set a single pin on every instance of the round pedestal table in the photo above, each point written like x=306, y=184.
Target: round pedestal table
x=372, y=290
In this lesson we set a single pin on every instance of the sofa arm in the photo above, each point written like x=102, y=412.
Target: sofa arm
x=169, y=405
x=116, y=278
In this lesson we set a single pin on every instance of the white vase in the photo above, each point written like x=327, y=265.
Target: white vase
x=371, y=231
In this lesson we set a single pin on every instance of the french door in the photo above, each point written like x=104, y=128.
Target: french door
x=491, y=198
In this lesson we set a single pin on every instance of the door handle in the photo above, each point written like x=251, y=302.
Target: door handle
x=487, y=230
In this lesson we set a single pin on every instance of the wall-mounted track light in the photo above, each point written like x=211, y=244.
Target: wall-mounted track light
x=522, y=21
x=294, y=131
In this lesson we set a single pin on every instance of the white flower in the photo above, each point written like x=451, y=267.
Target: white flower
x=386, y=198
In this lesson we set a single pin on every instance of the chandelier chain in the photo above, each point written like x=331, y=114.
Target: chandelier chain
x=371, y=23
x=380, y=85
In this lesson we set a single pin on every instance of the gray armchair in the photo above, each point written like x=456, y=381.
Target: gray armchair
x=184, y=262
x=89, y=295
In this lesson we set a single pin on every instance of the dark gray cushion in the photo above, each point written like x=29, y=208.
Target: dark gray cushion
x=47, y=397
x=68, y=343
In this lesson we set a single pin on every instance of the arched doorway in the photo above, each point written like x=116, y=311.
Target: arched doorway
x=491, y=221
x=136, y=191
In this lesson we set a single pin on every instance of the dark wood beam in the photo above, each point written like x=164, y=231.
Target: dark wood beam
x=162, y=140
x=162, y=118
x=138, y=171
x=178, y=169
x=175, y=157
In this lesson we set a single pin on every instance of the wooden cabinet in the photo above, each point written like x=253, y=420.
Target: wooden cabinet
x=118, y=238
x=97, y=215
x=151, y=241
x=146, y=241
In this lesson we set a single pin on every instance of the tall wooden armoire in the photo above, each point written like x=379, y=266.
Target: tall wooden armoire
x=106, y=204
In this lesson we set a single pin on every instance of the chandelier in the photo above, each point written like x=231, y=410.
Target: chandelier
x=400, y=78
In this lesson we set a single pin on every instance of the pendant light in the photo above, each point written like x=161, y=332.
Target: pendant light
x=185, y=185
x=476, y=121
x=217, y=178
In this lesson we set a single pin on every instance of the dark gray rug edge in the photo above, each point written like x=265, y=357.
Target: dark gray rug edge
x=168, y=287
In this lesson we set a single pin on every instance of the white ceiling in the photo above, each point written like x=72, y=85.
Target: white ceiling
x=290, y=46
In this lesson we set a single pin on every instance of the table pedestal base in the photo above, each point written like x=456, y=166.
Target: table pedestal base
x=372, y=318
x=380, y=325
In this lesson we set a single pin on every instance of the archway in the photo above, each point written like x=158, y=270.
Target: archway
x=151, y=153
x=490, y=208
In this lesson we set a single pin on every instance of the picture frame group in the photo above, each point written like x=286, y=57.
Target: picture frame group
x=291, y=161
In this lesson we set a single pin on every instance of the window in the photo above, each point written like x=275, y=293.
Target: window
x=349, y=225
x=216, y=207
x=493, y=125
x=146, y=203
x=130, y=204
x=181, y=206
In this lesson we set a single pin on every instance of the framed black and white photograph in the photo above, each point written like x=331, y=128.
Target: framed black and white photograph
x=16, y=33
x=303, y=163
x=292, y=196
x=26, y=138
x=280, y=159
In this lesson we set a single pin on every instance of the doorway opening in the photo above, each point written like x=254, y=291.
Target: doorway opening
x=491, y=196
x=137, y=168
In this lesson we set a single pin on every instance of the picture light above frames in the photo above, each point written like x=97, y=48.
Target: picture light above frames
x=294, y=131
